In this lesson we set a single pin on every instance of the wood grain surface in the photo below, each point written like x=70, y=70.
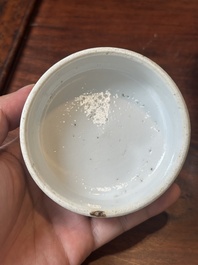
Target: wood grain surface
x=166, y=31
x=14, y=16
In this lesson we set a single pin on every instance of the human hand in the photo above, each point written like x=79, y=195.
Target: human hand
x=34, y=229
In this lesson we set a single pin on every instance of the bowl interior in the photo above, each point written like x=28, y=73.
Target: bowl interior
x=104, y=133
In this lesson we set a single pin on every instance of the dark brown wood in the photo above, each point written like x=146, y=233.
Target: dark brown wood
x=14, y=16
x=165, y=31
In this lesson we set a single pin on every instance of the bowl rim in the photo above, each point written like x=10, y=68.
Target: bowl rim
x=101, y=51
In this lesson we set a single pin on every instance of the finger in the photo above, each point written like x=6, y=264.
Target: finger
x=104, y=230
x=11, y=106
x=3, y=126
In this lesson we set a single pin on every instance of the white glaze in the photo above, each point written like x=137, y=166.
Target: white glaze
x=107, y=131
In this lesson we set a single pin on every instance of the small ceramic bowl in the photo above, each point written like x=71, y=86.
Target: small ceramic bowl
x=104, y=132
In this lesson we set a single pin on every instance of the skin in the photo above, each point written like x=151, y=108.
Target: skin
x=35, y=230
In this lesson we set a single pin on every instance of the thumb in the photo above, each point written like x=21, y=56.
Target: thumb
x=11, y=106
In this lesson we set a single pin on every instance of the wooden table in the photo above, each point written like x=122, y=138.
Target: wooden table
x=165, y=31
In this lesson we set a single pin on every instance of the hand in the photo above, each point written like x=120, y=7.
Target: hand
x=35, y=230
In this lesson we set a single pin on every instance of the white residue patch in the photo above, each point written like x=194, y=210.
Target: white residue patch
x=95, y=106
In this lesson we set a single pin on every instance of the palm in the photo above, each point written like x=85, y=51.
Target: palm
x=33, y=224
x=35, y=230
